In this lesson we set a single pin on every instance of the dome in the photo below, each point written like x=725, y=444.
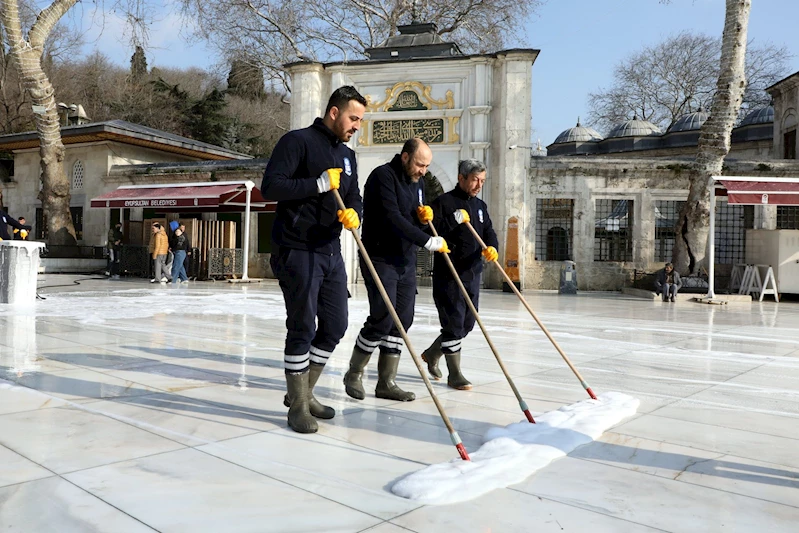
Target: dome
x=634, y=128
x=762, y=115
x=689, y=122
x=578, y=134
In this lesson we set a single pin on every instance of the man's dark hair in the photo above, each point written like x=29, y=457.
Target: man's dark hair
x=411, y=145
x=21, y=218
x=668, y=265
x=342, y=96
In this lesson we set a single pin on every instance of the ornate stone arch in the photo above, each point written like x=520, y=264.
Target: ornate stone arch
x=444, y=178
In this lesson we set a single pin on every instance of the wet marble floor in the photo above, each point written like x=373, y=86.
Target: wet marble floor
x=131, y=407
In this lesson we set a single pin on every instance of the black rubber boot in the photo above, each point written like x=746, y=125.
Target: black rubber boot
x=353, y=379
x=431, y=357
x=317, y=409
x=386, y=373
x=455, y=378
x=300, y=419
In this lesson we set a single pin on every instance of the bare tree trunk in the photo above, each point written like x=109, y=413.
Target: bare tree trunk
x=27, y=57
x=690, y=248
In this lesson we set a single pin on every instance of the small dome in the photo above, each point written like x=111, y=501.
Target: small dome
x=762, y=115
x=539, y=151
x=634, y=128
x=689, y=122
x=578, y=134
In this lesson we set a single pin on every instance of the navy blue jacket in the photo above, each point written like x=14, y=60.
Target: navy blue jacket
x=466, y=253
x=6, y=221
x=391, y=229
x=306, y=220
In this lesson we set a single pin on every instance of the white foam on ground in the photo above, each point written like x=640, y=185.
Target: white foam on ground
x=511, y=454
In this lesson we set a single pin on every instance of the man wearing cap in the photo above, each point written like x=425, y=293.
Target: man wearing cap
x=114, y=249
x=20, y=234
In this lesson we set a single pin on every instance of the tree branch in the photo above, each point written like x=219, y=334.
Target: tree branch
x=47, y=20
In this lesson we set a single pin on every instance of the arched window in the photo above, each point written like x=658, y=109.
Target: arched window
x=77, y=175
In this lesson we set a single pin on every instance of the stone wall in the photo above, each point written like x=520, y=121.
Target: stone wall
x=644, y=181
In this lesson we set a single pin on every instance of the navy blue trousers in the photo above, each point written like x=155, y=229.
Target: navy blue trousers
x=379, y=328
x=453, y=313
x=314, y=288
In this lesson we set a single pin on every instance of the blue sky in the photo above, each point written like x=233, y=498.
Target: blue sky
x=580, y=42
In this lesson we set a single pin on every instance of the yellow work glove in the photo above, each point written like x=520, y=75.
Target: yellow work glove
x=490, y=253
x=23, y=233
x=349, y=218
x=461, y=216
x=425, y=213
x=328, y=180
x=437, y=244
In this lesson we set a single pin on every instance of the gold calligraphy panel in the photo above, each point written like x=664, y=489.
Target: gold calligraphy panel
x=407, y=101
x=398, y=131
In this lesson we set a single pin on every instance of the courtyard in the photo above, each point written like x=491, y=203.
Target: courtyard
x=129, y=407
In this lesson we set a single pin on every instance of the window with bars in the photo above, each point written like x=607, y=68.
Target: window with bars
x=613, y=230
x=40, y=228
x=732, y=221
x=77, y=175
x=77, y=221
x=787, y=217
x=667, y=213
x=553, y=229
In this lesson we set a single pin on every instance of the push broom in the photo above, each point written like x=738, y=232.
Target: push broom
x=473, y=309
x=456, y=440
x=535, y=317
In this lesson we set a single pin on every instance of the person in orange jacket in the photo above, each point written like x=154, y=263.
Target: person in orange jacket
x=159, y=248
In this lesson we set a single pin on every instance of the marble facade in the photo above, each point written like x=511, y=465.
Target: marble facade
x=482, y=104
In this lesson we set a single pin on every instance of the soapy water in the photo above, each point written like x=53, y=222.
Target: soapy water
x=511, y=454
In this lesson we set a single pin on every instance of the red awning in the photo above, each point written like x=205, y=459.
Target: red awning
x=190, y=197
x=761, y=191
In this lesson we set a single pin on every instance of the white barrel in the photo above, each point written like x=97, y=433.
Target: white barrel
x=19, y=266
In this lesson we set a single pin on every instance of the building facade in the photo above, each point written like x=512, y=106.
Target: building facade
x=94, y=155
x=611, y=204
x=464, y=106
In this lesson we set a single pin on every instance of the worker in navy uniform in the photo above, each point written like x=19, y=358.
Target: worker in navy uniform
x=5, y=221
x=305, y=166
x=395, y=222
x=20, y=234
x=451, y=210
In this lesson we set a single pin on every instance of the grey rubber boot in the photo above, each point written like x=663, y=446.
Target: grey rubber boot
x=386, y=373
x=455, y=378
x=353, y=379
x=431, y=357
x=317, y=409
x=300, y=419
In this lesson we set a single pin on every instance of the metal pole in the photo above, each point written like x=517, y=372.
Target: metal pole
x=246, y=243
x=711, y=243
x=535, y=317
x=453, y=435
